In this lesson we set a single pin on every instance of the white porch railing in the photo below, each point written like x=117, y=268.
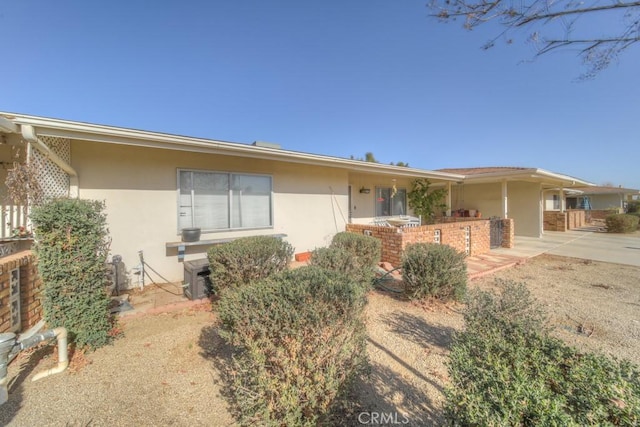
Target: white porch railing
x=12, y=216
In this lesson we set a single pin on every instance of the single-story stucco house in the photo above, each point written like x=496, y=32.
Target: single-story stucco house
x=156, y=184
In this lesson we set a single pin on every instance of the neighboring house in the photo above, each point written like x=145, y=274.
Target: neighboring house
x=509, y=192
x=154, y=184
x=601, y=198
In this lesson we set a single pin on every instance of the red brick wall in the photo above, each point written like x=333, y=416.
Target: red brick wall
x=554, y=221
x=395, y=240
x=563, y=221
x=30, y=288
x=508, y=233
x=575, y=219
x=603, y=213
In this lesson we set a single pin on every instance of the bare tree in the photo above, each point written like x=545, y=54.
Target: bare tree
x=554, y=25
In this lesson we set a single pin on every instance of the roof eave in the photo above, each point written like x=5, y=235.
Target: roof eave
x=114, y=135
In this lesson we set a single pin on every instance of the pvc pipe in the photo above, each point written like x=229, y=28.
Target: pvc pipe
x=4, y=392
x=63, y=355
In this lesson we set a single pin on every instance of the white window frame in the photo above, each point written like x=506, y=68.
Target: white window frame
x=229, y=202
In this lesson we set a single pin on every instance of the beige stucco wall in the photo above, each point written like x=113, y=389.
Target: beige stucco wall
x=524, y=203
x=481, y=197
x=139, y=188
x=525, y=207
x=606, y=201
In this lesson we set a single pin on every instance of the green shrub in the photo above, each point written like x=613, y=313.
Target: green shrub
x=354, y=255
x=71, y=247
x=432, y=270
x=633, y=207
x=299, y=338
x=365, y=249
x=506, y=370
x=244, y=260
x=637, y=215
x=622, y=223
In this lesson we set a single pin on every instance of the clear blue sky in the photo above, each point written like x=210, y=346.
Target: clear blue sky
x=329, y=77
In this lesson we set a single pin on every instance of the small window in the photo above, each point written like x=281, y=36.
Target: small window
x=215, y=201
x=556, y=202
x=390, y=202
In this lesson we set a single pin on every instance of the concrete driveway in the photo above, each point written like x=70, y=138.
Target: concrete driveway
x=585, y=243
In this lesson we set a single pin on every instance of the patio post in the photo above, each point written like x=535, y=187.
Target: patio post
x=505, y=200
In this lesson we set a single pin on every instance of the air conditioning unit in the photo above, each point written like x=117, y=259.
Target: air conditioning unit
x=197, y=283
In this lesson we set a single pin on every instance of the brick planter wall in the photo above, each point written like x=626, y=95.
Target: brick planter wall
x=30, y=288
x=395, y=240
x=554, y=221
x=576, y=219
x=563, y=221
x=603, y=213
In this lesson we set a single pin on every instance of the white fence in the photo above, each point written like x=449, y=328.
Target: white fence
x=13, y=217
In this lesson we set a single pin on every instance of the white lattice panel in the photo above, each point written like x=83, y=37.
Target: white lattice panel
x=53, y=180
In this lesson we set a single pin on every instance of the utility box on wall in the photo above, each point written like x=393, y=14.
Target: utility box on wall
x=197, y=283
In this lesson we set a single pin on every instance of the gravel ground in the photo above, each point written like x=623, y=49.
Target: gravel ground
x=167, y=369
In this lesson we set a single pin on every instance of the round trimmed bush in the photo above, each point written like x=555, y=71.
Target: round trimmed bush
x=248, y=259
x=299, y=339
x=622, y=223
x=432, y=270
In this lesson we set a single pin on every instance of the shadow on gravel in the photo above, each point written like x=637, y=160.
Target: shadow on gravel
x=378, y=395
x=216, y=350
x=418, y=331
x=27, y=364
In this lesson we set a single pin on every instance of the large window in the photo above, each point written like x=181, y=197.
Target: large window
x=223, y=201
x=390, y=204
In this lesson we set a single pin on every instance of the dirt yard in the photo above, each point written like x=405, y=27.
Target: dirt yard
x=167, y=368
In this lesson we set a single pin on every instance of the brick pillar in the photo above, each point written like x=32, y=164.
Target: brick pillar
x=508, y=233
x=30, y=290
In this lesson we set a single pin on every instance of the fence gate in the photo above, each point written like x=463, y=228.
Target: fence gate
x=495, y=232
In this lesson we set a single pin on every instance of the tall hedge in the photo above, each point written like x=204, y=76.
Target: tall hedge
x=71, y=247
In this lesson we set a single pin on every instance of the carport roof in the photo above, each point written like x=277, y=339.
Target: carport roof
x=511, y=173
x=609, y=190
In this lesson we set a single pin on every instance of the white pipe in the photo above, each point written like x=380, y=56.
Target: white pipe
x=4, y=392
x=63, y=355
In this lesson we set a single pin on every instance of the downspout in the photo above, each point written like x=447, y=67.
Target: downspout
x=29, y=134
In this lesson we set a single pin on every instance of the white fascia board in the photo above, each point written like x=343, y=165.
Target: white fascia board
x=7, y=126
x=532, y=174
x=114, y=135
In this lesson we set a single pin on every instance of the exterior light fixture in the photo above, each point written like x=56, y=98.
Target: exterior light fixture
x=365, y=190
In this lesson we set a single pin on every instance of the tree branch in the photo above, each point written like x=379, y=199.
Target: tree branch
x=551, y=15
